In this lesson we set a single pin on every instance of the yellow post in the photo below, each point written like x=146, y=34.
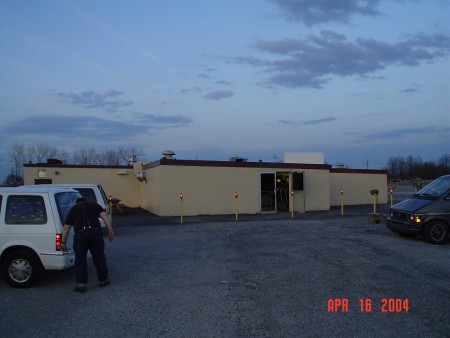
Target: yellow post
x=342, y=202
x=181, y=208
x=392, y=197
x=236, y=204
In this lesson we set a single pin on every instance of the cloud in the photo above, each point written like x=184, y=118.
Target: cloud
x=223, y=82
x=91, y=99
x=410, y=90
x=218, y=95
x=314, y=60
x=76, y=127
x=312, y=12
x=190, y=90
x=307, y=122
x=164, y=121
x=405, y=132
x=250, y=60
x=92, y=128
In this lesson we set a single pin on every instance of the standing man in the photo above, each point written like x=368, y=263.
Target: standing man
x=83, y=216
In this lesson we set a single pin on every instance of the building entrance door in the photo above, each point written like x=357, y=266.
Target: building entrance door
x=268, y=192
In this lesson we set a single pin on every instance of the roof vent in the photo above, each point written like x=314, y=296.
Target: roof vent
x=54, y=161
x=168, y=154
x=238, y=159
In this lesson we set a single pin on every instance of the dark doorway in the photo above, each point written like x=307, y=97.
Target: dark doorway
x=268, y=198
x=43, y=181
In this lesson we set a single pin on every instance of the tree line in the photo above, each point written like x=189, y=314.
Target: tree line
x=410, y=168
x=40, y=153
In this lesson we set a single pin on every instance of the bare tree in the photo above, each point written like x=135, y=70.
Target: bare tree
x=30, y=154
x=413, y=167
x=18, y=156
x=112, y=157
x=444, y=164
x=100, y=159
x=444, y=160
x=44, y=152
x=63, y=156
x=84, y=156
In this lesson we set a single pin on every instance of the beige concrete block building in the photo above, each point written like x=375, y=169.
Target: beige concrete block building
x=210, y=187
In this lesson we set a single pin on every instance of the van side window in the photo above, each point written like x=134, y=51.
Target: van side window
x=25, y=209
x=1, y=198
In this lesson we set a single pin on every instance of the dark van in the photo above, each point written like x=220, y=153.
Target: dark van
x=426, y=213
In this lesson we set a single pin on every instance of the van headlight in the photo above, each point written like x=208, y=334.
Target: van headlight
x=415, y=218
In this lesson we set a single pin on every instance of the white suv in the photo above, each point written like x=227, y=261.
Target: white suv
x=31, y=223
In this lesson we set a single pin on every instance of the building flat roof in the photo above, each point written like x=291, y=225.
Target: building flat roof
x=233, y=164
x=224, y=164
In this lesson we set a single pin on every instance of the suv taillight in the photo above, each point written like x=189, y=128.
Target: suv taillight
x=58, y=241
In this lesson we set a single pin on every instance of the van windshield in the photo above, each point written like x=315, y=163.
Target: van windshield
x=435, y=189
x=65, y=201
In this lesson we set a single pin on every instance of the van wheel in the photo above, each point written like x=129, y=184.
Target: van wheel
x=435, y=232
x=22, y=269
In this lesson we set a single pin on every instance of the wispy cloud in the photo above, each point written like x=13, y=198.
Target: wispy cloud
x=219, y=94
x=405, y=132
x=411, y=90
x=312, y=61
x=224, y=83
x=192, y=90
x=92, y=99
x=307, y=122
x=164, y=120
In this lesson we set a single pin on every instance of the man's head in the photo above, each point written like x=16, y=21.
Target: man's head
x=81, y=199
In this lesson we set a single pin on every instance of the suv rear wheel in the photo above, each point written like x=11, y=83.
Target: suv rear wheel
x=435, y=232
x=21, y=269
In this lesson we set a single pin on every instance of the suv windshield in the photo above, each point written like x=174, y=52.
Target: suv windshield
x=65, y=201
x=437, y=188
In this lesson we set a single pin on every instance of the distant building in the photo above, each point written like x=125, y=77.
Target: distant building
x=297, y=157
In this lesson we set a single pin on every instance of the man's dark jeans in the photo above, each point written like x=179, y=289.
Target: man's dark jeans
x=92, y=240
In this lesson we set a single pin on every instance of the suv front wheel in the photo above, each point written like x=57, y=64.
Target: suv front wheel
x=435, y=232
x=21, y=269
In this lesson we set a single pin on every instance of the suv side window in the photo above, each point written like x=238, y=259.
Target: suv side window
x=25, y=209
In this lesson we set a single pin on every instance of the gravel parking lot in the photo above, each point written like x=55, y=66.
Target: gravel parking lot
x=263, y=276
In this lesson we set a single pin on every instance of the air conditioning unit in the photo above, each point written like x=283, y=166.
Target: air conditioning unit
x=238, y=159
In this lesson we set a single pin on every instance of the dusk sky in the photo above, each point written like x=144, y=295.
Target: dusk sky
x=358, y=80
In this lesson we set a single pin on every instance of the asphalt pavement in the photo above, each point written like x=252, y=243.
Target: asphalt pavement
x=320, y=274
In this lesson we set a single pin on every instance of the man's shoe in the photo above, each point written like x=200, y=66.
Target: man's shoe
x=79, y=288
x=106, y=282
